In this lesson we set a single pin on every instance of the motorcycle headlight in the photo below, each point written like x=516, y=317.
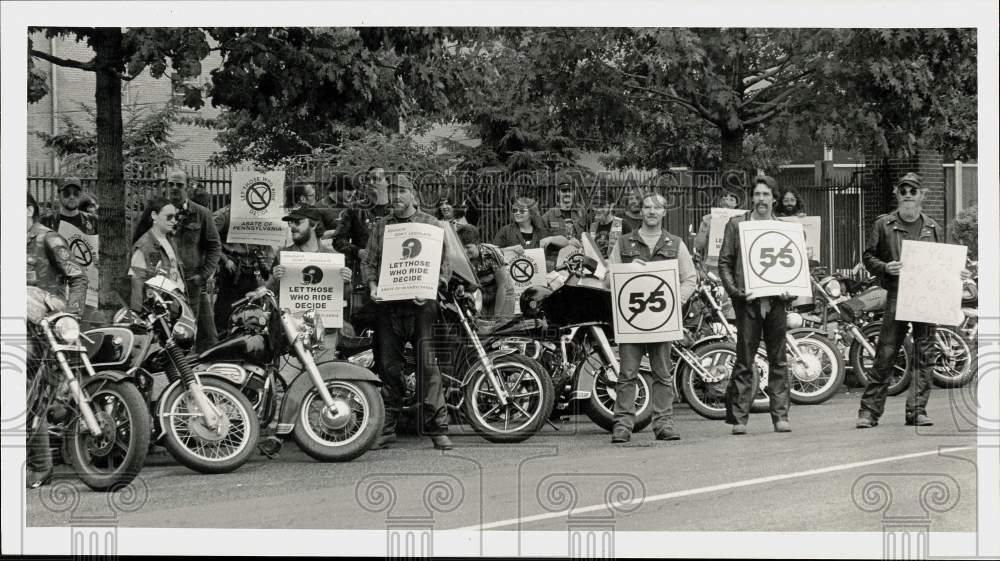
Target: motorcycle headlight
x=794, y=320
x=183, y=334
x=67, y=329
x=833, y=288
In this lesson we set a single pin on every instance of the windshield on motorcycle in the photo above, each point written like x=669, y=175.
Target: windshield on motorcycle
x=173, y=294
x=454, y=255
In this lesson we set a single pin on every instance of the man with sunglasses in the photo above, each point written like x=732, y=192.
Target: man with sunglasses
x=882, y=259
x=70, y=200
x=199, y=248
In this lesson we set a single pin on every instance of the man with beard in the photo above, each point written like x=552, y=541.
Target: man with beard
x=882, y=258
x=605, y=228
x=563, y=220
x=755, y=318
x=70, y=201
x=199, y=249
x=408, y=321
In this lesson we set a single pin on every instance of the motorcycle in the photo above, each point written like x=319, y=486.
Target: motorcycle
x=204, y=422
x=504, y=396
x=331, y=408
x=956, y=360
x=100, y=417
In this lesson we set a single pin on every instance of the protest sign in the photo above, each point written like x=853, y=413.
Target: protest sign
x=644, y=300
x=256, y=208
x=411, y=262
x=312, y=281
x=774, y=258
x=527, y=269
x=930, y=282
x=83, y=249
x=812, y=227
x=717, y=231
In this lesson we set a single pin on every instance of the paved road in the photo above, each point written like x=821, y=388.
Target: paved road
x=812, y=479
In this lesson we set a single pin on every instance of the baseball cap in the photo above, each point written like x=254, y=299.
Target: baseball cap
x=70, y=181
x=911, y=179
x=400, y=181
x=303, y=212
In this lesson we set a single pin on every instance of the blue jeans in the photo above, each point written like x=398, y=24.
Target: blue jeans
x=663, y=384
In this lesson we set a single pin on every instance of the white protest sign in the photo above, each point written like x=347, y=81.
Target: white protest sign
x=930, y=282
x=812, y=226
x=645, y=303
x=312, y=281
x=83, y=249
x=774, y=258
x=717, y=230
x=525, y=270
x=411, y=261
x=256, y=208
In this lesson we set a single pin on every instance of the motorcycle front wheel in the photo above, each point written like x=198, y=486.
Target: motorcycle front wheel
x=112, y=460
x=708, y=397
x=343, y=435
x=600, y=408
x=820, y=373
x=195, y=445
x=955, y=358
x=531, y=398
x=863, y=363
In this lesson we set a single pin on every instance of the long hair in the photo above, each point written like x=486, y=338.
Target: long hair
x=533, y=214
x=779, y=205
x=145, y=222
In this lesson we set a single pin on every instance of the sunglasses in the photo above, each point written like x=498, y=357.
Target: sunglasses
x=71, y=194
x=519, y=210
x=902, y=189
x=176, y=184
x=170, y=217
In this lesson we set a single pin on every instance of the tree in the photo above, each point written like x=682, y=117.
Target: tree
x=120, y=55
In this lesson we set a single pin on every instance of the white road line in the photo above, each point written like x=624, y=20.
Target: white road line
x=711, y=489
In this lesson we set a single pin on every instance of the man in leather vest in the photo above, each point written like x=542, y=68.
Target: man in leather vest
x=755, y=318
x=605, y=228
x=650, y=243
x=51, y=268
x=881, y=258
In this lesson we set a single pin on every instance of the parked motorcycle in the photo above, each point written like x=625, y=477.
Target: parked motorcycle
x=100, y=418
x=956, y=362
x=204, y=422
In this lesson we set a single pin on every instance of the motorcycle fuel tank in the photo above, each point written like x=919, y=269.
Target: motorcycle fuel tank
x=113, y=346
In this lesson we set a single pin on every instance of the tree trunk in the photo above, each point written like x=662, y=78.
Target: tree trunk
x=112, y=227
x=733, y=168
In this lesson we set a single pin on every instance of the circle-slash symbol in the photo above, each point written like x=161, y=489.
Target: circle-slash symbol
x=258, y=196
x=522, y=270
x=81, y=252
x=646, y=302
x=411, y=248
x=774, y=258
x=312, y=275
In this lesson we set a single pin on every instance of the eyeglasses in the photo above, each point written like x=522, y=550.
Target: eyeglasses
x=170, y=217
x=902, y=189
x=176, y=184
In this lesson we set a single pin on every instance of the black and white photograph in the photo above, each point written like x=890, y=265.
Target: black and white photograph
x=553, y=279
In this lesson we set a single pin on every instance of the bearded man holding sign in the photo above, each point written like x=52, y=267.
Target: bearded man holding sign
x=756, y=316
x=650, y=243
x=402, y=321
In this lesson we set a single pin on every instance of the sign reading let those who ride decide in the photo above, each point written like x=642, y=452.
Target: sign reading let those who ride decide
x=644, y=298
x=312, y=281
x=411, y=262
x=774, y=258
x=255, y=208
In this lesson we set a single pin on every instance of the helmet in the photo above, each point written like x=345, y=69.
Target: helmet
x=531, y=300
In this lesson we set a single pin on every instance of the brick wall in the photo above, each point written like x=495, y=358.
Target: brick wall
x=882, y=175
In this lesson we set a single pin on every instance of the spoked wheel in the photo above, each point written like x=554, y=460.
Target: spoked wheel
x=113, y=459
x=954, y=358
x=196, y=445
x=600, y=407
x=863, y=363
x=531, y=394
x=819, y=373
x=347, y=430
x=708, y=396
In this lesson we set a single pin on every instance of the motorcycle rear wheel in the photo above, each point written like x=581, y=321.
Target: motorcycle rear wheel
x=717, y=355
x=182, y=424
x=340, y=444
x=863, y=364
x=601, y=404
x=124, y=417
x=831, y=378
x=955, y=364
x=530, y=388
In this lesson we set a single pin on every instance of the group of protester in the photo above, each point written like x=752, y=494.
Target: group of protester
x=185, y=240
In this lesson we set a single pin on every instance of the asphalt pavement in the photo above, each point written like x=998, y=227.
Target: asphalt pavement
x=824, y=476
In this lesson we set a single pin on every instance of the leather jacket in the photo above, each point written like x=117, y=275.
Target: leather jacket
x=730, y=261
x=51, y=268
x=247, y=256
x=885, y=244
x=154, y=255
x=197, y=242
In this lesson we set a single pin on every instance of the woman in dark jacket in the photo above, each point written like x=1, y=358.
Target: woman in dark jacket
x=153, y=249
x=528, y=231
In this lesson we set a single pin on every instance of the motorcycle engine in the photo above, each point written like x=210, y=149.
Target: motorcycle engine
x=250, y=319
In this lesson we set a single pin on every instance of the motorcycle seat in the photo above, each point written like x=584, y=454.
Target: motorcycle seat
x=490, y=326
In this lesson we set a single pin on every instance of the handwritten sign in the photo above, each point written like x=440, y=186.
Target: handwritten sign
x=813, y=228
x=83, y=249
x=312, y=281
x=411, y=262
x=525, y=270
x=774, y=258
x=717, y=231
x=645, y=302
x=930, y=282
x=256, y=208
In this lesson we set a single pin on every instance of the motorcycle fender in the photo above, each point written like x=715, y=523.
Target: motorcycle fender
x=706, y=340
x=113, y=376
x=329, y=370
